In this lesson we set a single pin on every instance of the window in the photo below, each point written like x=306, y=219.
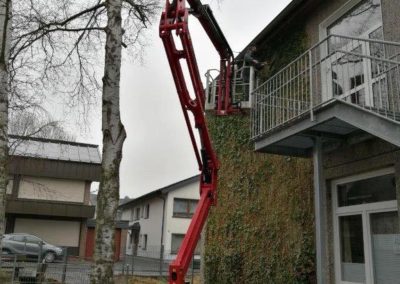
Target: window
x=359, y=21
x=358, y=80
x=376, y=189
x=144, y=242
x=147, y=211
x=119, y=214
x=130, y=240
x=184, y=208
x=176, y=241
x=366, y=228
x=18, y=238
x=33, y=240
x=132, y=217
x=10, y=185
x=137, y=213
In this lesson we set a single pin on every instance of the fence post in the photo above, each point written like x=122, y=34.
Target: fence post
x=125, y=265
x=127, y=274
x=65, y=262
x=15, y=269
x=133, y=259
x=1, y=249
x=40, y=252
x=161, y=259
x=311, y=86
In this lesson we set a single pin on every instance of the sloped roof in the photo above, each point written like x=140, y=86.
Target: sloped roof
x=293, y=7
x=93, y=200
x=161, y=191
x=41, y=148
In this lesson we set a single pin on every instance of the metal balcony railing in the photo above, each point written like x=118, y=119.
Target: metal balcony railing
x=358, y=71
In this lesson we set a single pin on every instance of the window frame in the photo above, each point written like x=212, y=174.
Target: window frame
x=197, y=250
x=146, y=210
x=132, y=214
x=137, y=213
x=187, y=214
x=365, y=210
x=145, y=240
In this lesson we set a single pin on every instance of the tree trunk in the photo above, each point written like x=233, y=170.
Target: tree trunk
x=113, y=138
x=5, y=12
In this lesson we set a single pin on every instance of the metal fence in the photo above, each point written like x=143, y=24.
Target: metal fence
x=358, y=71
x=152, y=262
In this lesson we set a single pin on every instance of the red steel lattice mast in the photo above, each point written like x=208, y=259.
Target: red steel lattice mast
x=174, y=24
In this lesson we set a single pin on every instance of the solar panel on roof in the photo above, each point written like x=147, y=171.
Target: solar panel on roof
x=54, y=150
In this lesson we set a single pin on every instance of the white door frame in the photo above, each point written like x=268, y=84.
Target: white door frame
x=364, y=210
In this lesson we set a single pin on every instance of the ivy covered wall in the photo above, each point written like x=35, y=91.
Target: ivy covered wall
x=262, y=229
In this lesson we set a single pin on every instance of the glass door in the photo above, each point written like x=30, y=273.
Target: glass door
x=352, y=248
x=366, y=229
x=385, y=244
x=352, y=75
x=349, y=74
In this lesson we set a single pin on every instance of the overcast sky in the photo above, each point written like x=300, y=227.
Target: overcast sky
x=158, y=151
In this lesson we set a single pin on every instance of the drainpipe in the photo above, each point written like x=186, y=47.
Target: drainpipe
x=320, y=213
x=163, y=197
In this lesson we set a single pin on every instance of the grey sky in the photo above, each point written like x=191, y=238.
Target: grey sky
x=157, y=151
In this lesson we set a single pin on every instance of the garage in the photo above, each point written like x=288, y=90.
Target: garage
x=56, y=232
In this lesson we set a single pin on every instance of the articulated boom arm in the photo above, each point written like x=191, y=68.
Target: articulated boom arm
x=174, y=22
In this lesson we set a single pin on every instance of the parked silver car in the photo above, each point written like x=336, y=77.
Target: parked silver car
x=31, y=246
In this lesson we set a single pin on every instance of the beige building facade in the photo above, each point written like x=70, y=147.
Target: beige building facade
x=49, y=190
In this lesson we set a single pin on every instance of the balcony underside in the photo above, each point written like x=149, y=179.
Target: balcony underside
x=335, y=121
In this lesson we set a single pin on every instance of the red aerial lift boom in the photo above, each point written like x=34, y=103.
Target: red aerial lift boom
x=174, y=23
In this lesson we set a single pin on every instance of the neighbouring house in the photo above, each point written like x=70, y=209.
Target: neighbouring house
x=339, y=104
x=159, y=220
x=48, y=194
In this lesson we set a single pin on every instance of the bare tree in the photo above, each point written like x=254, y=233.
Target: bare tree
x=113, y=139
x=5, y=13
x=55, y=49
x=114, y=136
x=37, y=123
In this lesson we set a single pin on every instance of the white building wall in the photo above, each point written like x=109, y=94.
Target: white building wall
x=153, y=225
x=175, y=225
x=51, y=189
x=150, y=226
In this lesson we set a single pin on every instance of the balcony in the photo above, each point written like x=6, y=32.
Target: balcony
x=338, y=88
x=49, y=208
